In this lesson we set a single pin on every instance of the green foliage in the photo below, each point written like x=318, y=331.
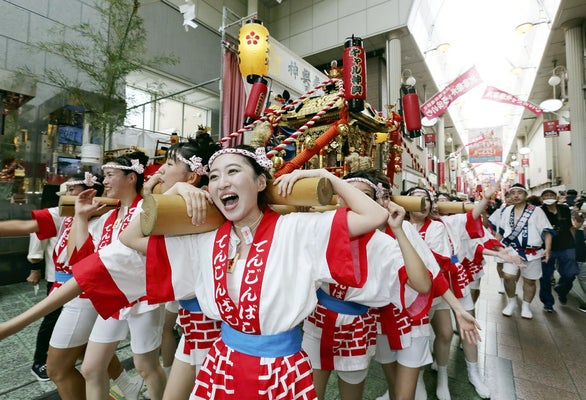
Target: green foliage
x=101, y=55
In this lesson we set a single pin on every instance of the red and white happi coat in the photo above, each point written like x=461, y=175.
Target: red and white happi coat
x=474, y=260
x=87, y=262
x=463, y=232
x=51, y=224
x=290, y=257
x=435, y=234
x=348, y=342
x=401, y=325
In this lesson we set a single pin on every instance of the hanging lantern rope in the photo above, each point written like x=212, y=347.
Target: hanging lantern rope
x=279, y=113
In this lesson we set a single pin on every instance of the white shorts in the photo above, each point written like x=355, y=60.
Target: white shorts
x=532, y=271
x=466, y=302
x=415, y=356
x=186, y=358
x=74, y=324
x=145, y=329
x=353, y=377
x=172, y=306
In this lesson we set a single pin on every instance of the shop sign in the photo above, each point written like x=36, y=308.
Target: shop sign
x=550, y=128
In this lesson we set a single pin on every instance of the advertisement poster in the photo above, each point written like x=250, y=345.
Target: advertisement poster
x=489, y=149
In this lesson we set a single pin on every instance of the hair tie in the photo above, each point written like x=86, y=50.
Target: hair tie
x=89, y=181
x=135, y=166
x=259, y=156
x=194, y=164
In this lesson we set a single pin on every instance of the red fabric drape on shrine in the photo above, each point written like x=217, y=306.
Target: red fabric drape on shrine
x=233, y=98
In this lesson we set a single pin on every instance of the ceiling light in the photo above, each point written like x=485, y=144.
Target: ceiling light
x=442, y=48
x=514, y=164
x=554, y=80
x=428, y=122
x=407, y=77
x=527, y=26
x=551, y=105
x=524, y=150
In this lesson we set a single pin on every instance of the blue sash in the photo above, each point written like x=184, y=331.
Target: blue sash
x=62, y=277
x=191, y=305
x=340, y=306
x=273, y=346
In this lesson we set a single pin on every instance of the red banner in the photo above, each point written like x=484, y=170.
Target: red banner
x=564, y=127
x=550, y=128
x=492, y=93
x=429, y=140
x=440, y=102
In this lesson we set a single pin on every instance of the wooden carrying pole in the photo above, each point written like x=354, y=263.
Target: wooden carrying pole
x=164, y=214
x=67, y=205
x=409, y=203
x=453, y=207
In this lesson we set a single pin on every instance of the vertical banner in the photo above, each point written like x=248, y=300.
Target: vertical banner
x=489, y=149
x=430, y=140
x=441, y=173
x=550, y=128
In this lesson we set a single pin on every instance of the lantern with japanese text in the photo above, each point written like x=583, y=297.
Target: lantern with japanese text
x=354, y=62
x=253, y=61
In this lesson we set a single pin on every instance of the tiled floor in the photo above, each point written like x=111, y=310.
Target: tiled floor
x=526, y=360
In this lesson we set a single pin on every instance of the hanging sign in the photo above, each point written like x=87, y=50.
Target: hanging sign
x=524, y=162
x=564, y=127
x=429, y=140
x=550, y=128
x=440, y=102
x=492, y=93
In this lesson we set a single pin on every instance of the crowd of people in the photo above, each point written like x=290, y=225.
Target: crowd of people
x=268, y=304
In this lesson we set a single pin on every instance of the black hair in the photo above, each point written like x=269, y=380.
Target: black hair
x=373, y=175
x=202, y=146
x=126, y=160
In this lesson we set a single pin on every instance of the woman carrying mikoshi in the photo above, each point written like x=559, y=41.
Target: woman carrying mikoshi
x=123, y=179
x=72, y=329
x=341, y=334
x=258, y=273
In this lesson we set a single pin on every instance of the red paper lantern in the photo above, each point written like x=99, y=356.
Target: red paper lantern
x=354, y=61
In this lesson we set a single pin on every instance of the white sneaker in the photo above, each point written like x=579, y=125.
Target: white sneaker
x=384, y=396
x=481, y=389
x=510, y=308
x=526, y=311
x=474, y=378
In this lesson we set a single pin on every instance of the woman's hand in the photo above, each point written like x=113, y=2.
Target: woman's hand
x=396, y=215
x=469, y=327
x=511, y=256
x=85, y=205
x=196, y=200
x=285, y=182
x=153, y=181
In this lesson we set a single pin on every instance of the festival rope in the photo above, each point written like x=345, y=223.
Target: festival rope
x=307, y=125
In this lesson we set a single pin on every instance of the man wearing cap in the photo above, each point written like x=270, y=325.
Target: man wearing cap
x=563, y=250
x=525, y=228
